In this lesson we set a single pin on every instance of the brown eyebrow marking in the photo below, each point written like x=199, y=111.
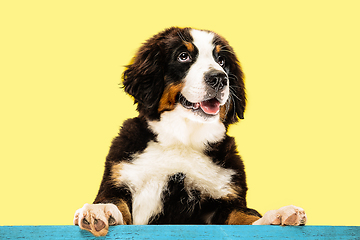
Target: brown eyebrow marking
x=218, y=48
x=189, y=46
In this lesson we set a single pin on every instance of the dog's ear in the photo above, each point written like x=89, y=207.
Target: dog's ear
x=237, y=89
x=144, y=76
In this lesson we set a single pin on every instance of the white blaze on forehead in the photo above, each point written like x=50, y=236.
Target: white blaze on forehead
x=195, y=89
x=204, y=43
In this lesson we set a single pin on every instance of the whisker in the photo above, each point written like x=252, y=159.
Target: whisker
x=234, y=107
x=228, y=104
x=232, y=91
x=222, y=50
x=233, y=76
x=224, y=46
x=181, y=36
x=235, y=87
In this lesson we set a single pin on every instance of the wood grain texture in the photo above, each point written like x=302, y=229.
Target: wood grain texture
x=181, y=232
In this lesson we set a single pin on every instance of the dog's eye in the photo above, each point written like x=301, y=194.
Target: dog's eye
x=184, y=57
x=221, y=61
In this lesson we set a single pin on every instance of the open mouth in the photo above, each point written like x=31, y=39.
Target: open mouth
x=210, y=106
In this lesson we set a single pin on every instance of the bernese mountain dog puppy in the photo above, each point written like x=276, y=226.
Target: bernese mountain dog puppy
x=175, y=163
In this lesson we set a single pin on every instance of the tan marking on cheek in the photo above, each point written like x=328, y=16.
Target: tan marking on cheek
x=225, y=110
x=223, y=113
x=168, y=99
x=189, y=46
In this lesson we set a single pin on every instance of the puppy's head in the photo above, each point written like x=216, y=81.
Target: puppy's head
x=194, y=70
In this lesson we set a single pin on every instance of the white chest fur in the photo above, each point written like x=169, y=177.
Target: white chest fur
x=147, y=175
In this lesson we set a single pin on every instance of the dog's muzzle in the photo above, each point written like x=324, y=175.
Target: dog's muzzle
x=214, y=95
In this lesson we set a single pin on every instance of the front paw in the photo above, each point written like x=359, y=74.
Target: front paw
x=289, y=215
x=96, y=218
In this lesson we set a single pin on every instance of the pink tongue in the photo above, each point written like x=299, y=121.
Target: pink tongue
x=211, y=106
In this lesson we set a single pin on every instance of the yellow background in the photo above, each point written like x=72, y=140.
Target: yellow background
x=61, y=105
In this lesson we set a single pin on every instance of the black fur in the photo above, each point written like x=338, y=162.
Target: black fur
x=155, y=67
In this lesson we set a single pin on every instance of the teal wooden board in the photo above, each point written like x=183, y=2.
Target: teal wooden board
x=180, y=232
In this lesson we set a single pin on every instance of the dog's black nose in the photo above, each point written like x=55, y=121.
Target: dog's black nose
x=216, y=79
